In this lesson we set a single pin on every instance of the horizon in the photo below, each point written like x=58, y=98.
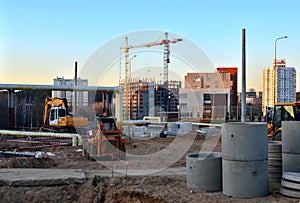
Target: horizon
x=42, y=41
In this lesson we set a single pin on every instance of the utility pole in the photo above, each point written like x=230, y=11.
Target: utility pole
x=75, y=93
x=244, y=76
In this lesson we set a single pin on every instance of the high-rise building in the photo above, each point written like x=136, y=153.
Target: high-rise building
x=268, y=88
x=279, y=84
x=286, y=84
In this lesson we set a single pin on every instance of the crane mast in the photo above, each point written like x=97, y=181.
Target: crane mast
x=164, y=42
x=166, y=74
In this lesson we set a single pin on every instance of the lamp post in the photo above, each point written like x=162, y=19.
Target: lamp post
x=275, y=65
x=129, y=84
x=276, y=46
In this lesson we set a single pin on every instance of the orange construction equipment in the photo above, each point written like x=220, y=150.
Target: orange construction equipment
x=108, y=142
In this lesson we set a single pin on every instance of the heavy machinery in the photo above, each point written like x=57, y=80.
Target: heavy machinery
x=57, y=117
x=282, y=112
x=107, y=144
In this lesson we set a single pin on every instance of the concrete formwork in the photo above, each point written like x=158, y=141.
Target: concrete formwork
x=245, y=159
x=204, y=171
x=244, y=141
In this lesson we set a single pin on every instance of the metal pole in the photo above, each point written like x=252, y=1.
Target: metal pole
x=75, y=93
x=243, y=75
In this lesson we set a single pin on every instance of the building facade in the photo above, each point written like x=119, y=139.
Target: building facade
x=147, y=98
x=286, y=84
x=207, y=80
x=268, y=88
x=233, y=71
x=279, y=84
x=82, y=97
x=217, y=82
x=204, y=103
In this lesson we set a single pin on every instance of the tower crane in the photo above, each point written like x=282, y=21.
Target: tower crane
x=164, y=42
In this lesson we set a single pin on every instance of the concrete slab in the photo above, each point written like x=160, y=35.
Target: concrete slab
x=17, y=177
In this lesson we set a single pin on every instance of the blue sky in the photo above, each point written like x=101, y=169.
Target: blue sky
x=40, y=40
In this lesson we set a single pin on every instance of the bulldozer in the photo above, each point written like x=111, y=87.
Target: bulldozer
x=107, y=144
x=282, y=112
x=57, y=118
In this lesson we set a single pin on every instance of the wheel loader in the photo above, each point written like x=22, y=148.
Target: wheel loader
x=282, y=112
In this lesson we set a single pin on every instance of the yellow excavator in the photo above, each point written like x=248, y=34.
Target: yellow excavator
x=57, y=117
x=282, y=112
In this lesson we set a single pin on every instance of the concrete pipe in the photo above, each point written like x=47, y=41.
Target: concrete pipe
x=291, y=162
x=290, y=184
x=204, y=171
x=291, y=137
x=245, y=179
x=244, y=141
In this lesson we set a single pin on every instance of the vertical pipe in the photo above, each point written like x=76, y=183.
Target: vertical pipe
x=75, y=93
x=244, y=75
x=11, y=109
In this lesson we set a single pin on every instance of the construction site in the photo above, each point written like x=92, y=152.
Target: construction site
x=134, y=146
x=63, y=174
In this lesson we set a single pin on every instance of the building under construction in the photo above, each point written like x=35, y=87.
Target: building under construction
x=147, y=99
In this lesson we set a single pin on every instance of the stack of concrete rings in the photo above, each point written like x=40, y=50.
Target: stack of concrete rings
x=290, y=183
x=275, y=161
x=245, y=159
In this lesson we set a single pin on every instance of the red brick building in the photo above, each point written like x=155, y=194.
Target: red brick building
x=234, y=78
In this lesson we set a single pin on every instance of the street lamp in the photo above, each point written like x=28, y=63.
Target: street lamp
x=276, y=46
x=275, y=65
